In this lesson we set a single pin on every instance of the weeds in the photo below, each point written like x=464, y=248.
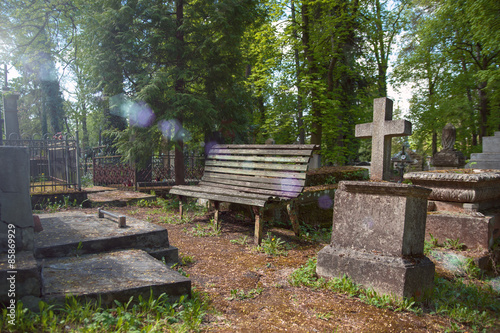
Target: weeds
x=453, y=244
x=241, y=241
x=273, y=246
x=240, y=294
x=317, y=235
x=135, y=315
x=210, y=230
x=186, y=260
x=56, y=205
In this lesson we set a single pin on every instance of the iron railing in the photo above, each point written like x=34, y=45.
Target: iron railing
x=54, y=161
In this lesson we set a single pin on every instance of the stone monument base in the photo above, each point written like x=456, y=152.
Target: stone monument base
x=399, y=276
x=475, y=232
x=378, y=238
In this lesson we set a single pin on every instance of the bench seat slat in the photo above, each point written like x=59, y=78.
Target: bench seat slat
x=280, y=174
x=247, y=165
x=272, y=193
x=253, y=158
x=223, y=191
x=266, y=180
x=253, y=184
x=257, y=152
x=223, y=198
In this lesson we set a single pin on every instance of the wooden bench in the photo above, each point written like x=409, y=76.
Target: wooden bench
x=253, y=175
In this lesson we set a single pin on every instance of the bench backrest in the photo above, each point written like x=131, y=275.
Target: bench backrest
x=274, y=170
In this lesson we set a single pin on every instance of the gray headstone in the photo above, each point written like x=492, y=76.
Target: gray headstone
x=490, y=157
x=382, y=130
x=15, y=201
x=378, y=238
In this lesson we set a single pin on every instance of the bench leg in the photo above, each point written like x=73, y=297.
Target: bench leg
x=293, y=214
x=216, y=205
x=181, y=210
x=259, y=224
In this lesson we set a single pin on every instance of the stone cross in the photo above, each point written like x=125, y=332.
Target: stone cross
x=381, y=130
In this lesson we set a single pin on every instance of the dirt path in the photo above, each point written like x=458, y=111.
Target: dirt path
x=219, y=266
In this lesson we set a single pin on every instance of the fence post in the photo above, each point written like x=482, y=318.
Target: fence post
x=78, y=176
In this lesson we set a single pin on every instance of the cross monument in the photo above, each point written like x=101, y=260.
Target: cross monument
x=382, y=130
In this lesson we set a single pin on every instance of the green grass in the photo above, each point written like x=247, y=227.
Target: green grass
x=240, y=294
x=141, y=315
x=210, y=230
x=474, y=305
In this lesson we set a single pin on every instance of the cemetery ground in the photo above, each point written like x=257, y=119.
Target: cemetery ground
x=272, y=288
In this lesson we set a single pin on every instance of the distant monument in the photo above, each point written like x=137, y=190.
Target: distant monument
x=448, y=158
x=11, y=122
x=379, y=227
x=490, y=157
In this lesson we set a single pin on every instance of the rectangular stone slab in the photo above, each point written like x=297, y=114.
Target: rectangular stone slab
x=382, y=217
x=397, y=276
x=69, y=234
x=111, y=276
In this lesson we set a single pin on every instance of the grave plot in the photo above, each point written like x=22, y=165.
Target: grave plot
x=67, y=250
x=464, y=206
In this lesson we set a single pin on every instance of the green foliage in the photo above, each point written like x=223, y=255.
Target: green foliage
x=240, y=294
x=210, y=230
x=471, y=304
x=452, y=71
x=136, y=315
x=312, y=234
x=453, y=244
x=241, y=241
x=273, y=246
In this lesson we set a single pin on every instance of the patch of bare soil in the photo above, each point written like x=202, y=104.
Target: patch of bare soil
x=220, y=266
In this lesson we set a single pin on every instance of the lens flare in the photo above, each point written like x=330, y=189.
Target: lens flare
x=325, y=202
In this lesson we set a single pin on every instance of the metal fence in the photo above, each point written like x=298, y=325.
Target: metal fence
x=111, y=170
x=53, y=162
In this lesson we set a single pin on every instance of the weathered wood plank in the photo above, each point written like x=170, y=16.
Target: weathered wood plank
x=285, y=152
x=278, y=174
x=250, y=189
x=222, y=191
x=254, y=184
x=291, y=146
x=254, y=158
x=247, y=165
x=222, y=198
x=266, y=180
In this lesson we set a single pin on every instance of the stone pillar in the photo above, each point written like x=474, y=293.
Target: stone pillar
x=15, y=201
x=16, y=227
x=378, y=238
x=11, y=122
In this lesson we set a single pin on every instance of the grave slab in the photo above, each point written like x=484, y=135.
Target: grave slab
x=71, y=233
x=111, y=276
x=117, y=198
x=25, y=274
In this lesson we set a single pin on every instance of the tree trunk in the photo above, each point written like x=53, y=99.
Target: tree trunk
x=316, y=125
x=179, y=89
x=300, y=113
